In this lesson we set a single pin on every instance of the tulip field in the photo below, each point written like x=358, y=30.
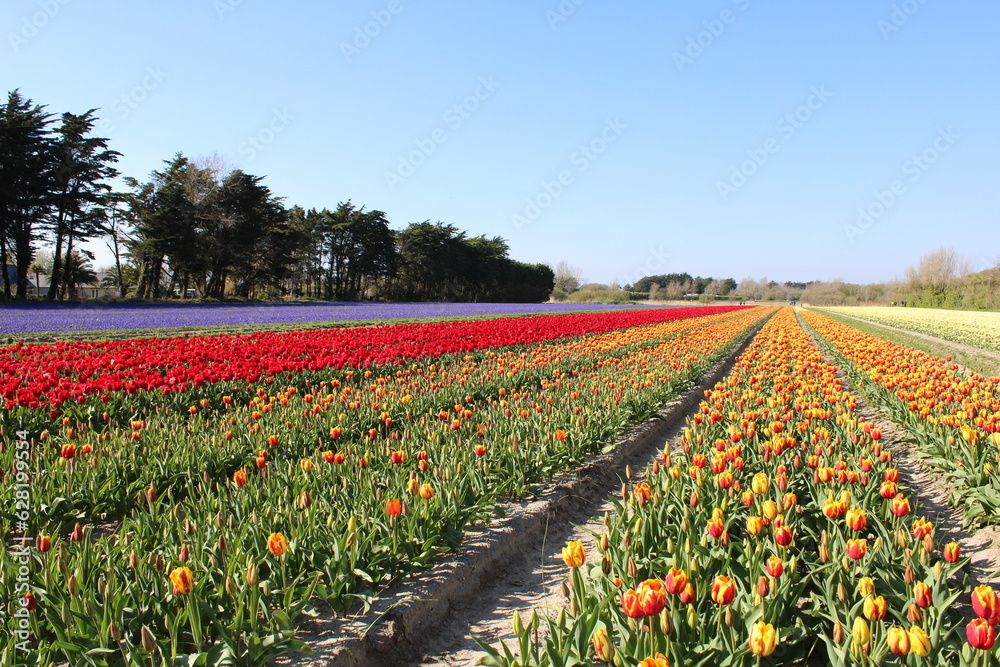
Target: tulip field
x=780, y=532
x=194, y=500
x=190, y=500
x=979, y=329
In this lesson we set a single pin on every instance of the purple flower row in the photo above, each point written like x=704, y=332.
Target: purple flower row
x=43, y=318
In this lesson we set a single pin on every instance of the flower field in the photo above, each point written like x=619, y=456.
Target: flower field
x=191, y=500
x=35, y=318
x=779, y=532
x=979, y=329
x=953, y=416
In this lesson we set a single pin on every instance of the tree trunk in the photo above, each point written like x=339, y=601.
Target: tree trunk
x=57, y=263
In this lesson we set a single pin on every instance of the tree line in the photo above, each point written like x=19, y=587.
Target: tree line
x=200, y=226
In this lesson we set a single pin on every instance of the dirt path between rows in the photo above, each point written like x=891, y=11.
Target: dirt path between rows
x=981, y=546
x=970, y=350
x=513, y=564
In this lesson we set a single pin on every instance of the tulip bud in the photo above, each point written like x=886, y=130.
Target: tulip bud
x=251, y=577
x=517, y=624
x=185, y=553
x=838, y=633
x=628, y=472
x=71, y=585
x=115, y=631
x=861, y=636
x=763, y=587
x=913, y=613
x=842, y=592
x=220, y=544
x=632, y=572
x=564, y=589
x=603, y=648
x=824, y=549
x=606, y=565
x=133, y=560
x=148, y=640
x=230, y=586
x=666, y=622
x=908, y=575
x=692, y=617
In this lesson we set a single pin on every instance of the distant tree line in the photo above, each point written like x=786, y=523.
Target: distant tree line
x=939, y=279
x=200, y=227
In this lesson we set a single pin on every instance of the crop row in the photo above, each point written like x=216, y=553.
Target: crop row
x=969, y=327
x=953, y=415
x=780, y=533
x=238, y=517
x=35, y=376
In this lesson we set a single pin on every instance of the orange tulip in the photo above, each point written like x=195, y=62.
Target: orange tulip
x=394, y=507
x=856, y=519
x=763, y=639
x=658, y=660
x=573, y=554
x=986, y=604
x=980, y=634
x=900, y=506
x=952, y=552
x=277, y=544
x=652, y=597
x=856, y=549
x=240, y=478
x=920, y=643
x=642, y=493
x=783, y=536
x=774, y=566
x=675, y=581
x=874, y=608
x=922, y=594
x=183, y=580
x=755, y=525
x=723, y=589
x=426, y=491
x=68, y=451
x=898, y=640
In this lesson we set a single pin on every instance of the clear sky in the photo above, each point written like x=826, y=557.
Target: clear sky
x=726, y=138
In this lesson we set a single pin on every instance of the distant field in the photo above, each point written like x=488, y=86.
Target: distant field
x=961, y=326
x=56, y=318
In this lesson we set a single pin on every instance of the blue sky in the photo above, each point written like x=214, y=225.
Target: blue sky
x=792, y=140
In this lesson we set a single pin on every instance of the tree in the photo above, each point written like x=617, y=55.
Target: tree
x=40, y=266
x=25, y=182
x=359, y=247
x=80, y=194
x=567, y=280
x=78, y=270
